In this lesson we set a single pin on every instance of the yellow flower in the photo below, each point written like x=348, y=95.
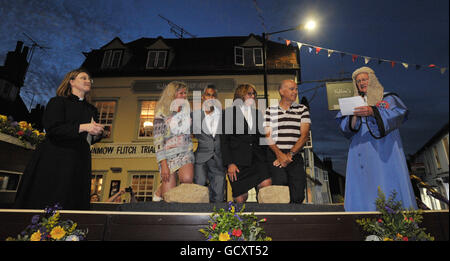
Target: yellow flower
x=36, y=132
x=399, y=235
x=224, y=237
x=387, y=239
x=3, y=117
x=23, y=124
x=36, y=236
x=57, y=233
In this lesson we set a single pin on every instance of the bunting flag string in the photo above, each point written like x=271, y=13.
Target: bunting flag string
x=367, y=59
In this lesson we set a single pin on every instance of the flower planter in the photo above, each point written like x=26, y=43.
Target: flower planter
x=16, y=141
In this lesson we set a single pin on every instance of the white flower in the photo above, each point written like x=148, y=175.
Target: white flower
x=372, y=238
x=73, y=238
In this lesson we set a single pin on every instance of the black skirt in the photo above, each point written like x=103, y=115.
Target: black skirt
x=251, y=176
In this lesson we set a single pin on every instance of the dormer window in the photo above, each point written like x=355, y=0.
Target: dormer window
x=238, y=55
x=156, y=59
x=248, y=56
x=112, y=59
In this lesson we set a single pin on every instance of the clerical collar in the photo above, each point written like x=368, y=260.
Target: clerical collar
x=75, y=98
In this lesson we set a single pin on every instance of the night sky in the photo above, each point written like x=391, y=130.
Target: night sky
x=411, y=31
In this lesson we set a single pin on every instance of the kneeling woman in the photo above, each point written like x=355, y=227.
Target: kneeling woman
x=242, y=154
x=172, y=139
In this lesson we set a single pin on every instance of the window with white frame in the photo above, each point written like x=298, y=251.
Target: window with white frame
x=106, y=112
x=97, y=179
x=248, y=56
x=142, y=185
x=147, y=115
x=436, y=157
x=9, y=180
x=112, y=59
x=258, y=56
x=445, y=143
x=238, y=55
x=156, y=59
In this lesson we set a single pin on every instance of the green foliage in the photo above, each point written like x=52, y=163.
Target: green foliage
x=395, y=223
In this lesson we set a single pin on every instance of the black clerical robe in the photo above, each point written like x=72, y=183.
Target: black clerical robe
x=60, y=169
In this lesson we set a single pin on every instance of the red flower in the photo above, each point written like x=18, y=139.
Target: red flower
x=405, y=238
x=214, y=226
x=237, y=232
x=411, y=219
x=380, y=221
x=20, y=133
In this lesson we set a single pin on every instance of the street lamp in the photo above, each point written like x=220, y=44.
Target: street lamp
x=311, y=25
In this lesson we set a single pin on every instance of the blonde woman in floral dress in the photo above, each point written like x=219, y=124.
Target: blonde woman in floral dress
x=172, y=139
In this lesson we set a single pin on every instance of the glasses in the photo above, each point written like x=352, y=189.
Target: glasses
x=362, y=80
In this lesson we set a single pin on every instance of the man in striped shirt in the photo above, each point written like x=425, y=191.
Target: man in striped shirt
x=287, y=126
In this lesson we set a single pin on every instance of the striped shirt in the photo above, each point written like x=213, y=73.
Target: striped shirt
x=285, y=124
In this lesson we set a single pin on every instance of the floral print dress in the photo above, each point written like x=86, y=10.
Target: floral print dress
x=172, y=139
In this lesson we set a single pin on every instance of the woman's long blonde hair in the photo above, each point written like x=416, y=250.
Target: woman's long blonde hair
x=167, y=96
x=65, y=89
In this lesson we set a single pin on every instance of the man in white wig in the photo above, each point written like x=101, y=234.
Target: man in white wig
x=375, y=158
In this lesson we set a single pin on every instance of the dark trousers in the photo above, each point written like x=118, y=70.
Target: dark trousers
x=293, y=175
x=213, y=172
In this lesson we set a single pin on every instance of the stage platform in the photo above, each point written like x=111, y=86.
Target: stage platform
x=160, y=221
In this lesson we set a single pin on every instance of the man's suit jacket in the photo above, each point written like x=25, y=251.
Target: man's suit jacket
x=208, y=146
x=240, y=146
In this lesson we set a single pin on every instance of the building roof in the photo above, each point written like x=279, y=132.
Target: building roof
x=436, y=137
x=192, y=56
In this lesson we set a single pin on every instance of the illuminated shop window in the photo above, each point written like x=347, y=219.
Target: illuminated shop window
x=142, y=185
x=106, y=112
x=147, y=116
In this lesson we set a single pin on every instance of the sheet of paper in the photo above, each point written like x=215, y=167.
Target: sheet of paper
x=349, y=104
x=89, y=136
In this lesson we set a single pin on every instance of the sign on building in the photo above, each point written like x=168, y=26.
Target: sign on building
x=122, y=150
x=337, y=90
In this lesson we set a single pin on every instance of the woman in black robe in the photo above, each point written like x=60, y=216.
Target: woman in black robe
x=60, y=169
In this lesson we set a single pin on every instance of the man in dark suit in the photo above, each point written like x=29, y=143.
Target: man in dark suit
x=243, y=155
x=208, y=156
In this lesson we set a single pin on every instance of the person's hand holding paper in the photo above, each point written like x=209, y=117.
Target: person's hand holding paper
x=351, y=105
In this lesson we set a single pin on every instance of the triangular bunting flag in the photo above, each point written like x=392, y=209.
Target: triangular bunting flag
x=366, y=58
x=329, y=53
